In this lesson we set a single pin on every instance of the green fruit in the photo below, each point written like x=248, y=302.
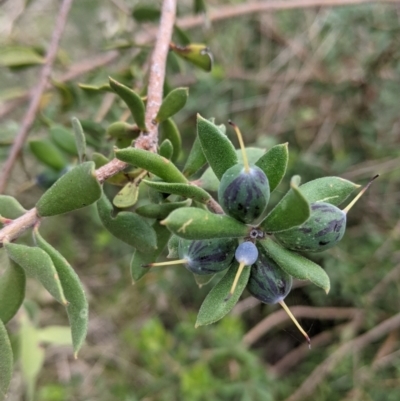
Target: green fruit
x=207, y=256
x=244, y=195
x=324, y=229
x=268, y=282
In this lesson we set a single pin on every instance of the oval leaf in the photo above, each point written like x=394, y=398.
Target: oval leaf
x=214, y=306
x=10, y=207
x=122, y=130
x=143, y=258
x=48, y=154
x=172, y=103
x=19, y=56
x=196, y=159
x=132, y=100
x=296, y=265
x=166, y=149
x=127, y=196
x=152, y=162
x=274, y=164
x=334, y=190
x=77, y=304
x=170, y=131
x=80, y=139
x=196, y=53
x=39, y=265
x=96, y=88
x=160, y=211
x=12, y=291
x=217, y=148
x=186, y=190
x=291, y=211
x=64, y=139
x=74, y=190
x=6, y=361
x=195, y=223
x=127, y=226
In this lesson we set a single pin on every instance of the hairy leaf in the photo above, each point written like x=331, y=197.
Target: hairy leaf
x=80, y=139
x=170, y=131
x=47, y=153
x=162, y=210
x=6, y=361
x=172, y=103
x=166, y=149
x=10, y=207
x=64, y=139
x=196, y=159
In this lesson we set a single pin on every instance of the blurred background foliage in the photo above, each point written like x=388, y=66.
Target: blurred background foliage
x=326, y=80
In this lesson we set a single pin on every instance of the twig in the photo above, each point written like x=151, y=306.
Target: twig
x=148, y=139
x=34, y=105
x=349, y=348
x=300, y=312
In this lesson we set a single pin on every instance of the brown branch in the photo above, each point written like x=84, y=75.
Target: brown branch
x=34, y=105
x=309, y=312
x=147, y=140
x=322, y=370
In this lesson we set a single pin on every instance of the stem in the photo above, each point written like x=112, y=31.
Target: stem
x=235, y=282
x=362, y=192
x=169, y=263
x=242, y=147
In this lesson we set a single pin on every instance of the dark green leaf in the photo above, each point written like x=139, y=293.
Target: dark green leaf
x=132, y=100
x=80, y=139
x=152, y=162
x=160, y=211
x=274, y=164
x=38, y=264
x=64, y=139
x=291, y=211
x=143, y=258
x=146, y=13
x=195, y=223
x=214, y=306
x=77, y=307
x=127, y=226
x=6, y=361
x=48, y=154
x=166, y=149
x=172, y=103
x=181, y=36
x=10, y=207
x=12, y=291
x=296, y=265
x=170, y=131
x=186, y=190
x=127, y=196
x=121, y=129
x=74, y=190
x=196, y=159
x=199, y=6
x=196, y=53
x=334, y=190
x=217, y=148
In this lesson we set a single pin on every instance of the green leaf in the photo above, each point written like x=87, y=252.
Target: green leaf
x=296, y=265
x=195, y=223
x=170, y=131
x=122, y=130
x=217, y=148
x=55, y=335
x=209, y=180
x=80, y=139
x=12, y=291
x=186, y=190
x=127, y=226
x=172, y=103
x=274, y=164
x=196, y=53
x=196, y=159
x=127, y=196
x=152, y=162
x=199, y=6
x=64, y=139
x=166, y=149
x=6, y=361
x=19, y=56
x=333, y=190
x=119, y=179
x=47, y=153
x=10, y=207
x=160, y=211
x=214, y=306
x=74, y=190
x=31, y=355
x=77, y=307
x=132, y=100
x=181, y=35
x=143, y=258
x=38, y=264
x=104, y=88
x=146, y=13
x=173, y=245
x=291, y=211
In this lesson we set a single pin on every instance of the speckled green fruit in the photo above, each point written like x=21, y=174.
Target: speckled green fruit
x=207, y=256
x=268, y=282
x=244, y=196
x=323, y=230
